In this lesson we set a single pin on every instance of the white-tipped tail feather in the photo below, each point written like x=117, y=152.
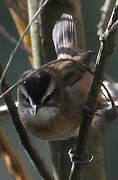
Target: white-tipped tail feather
x=64, y=37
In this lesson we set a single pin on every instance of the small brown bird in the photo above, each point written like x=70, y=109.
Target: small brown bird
x=51, y=100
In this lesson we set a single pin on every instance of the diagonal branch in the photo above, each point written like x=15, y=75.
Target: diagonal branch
x=105, y=50
x=30, y=149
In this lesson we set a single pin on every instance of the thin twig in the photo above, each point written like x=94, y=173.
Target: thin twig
x=112, y=28
x=105, y=50
x=42, y=67
x=20, y=40
x=4, y=109
x=104, y=9
x=13, y=40
x=110, y=98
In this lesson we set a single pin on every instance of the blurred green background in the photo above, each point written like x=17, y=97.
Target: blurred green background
x=91, y=15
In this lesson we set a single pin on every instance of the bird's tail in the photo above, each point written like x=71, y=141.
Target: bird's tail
x=64, y=37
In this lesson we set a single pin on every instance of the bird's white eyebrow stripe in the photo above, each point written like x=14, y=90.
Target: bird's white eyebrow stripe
x=49, y=91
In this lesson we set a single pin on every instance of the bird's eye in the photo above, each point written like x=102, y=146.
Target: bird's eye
x=25, y=100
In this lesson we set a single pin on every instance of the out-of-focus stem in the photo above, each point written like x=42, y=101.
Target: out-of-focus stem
x=34, y=32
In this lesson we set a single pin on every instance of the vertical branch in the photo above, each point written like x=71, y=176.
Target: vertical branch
x=34, y=32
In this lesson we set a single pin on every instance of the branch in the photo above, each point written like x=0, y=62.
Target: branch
x=4, y=109
x=105, y=50
x=34, y=32
x=104, y=9
x=20, y=40
x=30, y=149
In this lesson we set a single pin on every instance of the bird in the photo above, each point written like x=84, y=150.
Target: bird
x=50, y=101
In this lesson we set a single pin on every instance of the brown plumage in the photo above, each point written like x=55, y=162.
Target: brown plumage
x=51, y=101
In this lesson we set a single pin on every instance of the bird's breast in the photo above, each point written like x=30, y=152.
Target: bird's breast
x=52, y=124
